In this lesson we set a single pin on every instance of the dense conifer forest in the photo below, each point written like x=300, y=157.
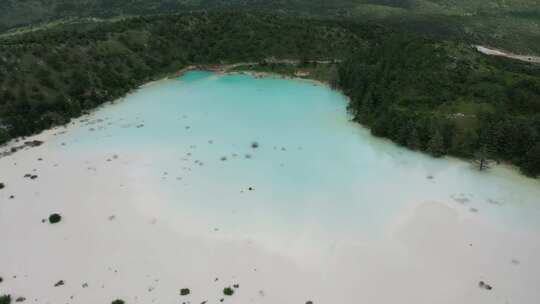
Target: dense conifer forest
x=444, y=98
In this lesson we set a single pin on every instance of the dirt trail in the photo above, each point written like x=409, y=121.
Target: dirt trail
x=495, y=52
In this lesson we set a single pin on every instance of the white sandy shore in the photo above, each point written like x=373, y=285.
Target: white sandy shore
x=120, y=238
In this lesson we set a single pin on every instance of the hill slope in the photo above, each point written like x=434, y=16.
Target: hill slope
x=510, y=24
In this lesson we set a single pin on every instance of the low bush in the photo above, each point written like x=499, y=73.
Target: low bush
x=55, y=218
x=184, y=291
x=228, y=291
x=5, y=299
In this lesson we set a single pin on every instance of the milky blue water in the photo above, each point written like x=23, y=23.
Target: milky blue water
x=313, y=171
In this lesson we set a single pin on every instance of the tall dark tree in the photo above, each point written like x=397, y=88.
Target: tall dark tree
x=436, y=145
x=531, y=163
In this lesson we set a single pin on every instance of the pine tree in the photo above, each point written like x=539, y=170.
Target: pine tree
x=413, y=142
x=531, y=164
x=436, y=145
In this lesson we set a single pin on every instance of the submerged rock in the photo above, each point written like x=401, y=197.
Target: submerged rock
x=59, y=283
x=33, y=143
x=484, y=285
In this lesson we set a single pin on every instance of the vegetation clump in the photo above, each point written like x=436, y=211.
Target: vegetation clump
x=184, y=291
x=5, y=299
x=118, y=301
x=2, y=186
x=228, y=291
x=55, y=218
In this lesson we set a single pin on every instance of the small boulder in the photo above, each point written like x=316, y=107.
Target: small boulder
x=484, y=285
x=59, y=283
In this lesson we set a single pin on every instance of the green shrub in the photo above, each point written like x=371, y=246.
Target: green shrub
x=184, y=291
x=228, y=291
x=118, y=301
x=5, y=299
x=55, y=218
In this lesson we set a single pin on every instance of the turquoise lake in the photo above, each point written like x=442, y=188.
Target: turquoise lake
x=312, y=166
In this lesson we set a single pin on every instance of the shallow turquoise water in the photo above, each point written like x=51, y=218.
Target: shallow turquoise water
x=314, y=172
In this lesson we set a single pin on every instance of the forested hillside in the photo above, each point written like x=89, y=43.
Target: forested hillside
x=509, y=24
x=443, y=98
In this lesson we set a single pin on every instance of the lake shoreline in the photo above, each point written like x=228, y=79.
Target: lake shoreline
x=223, y=70
x=147, y=234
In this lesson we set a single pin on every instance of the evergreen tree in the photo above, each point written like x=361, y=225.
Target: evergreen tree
x=436, y=145
x=531, y=164
x=413, y=142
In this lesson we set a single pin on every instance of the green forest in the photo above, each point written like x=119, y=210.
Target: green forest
x=510, y=24
x=429, y=94
x=444, y=98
